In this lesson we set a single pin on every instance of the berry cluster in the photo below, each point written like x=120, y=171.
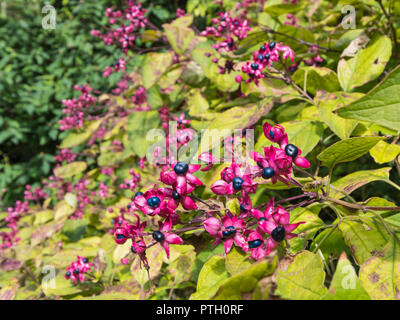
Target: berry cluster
x=229, y=29
x=78, y=269
x=265, y=57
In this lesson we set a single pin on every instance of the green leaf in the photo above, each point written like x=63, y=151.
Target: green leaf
x=304, y=134
x=121, y=251
x=42, y=217
x=224, y=82
x=282, y=8
x=154, y=66
x=139, y=124
x=304, y=278
x=226, y=122
x=381, y=105
x=237, y=261
x=380, y=274
x=178, y=36
x=75, y=139
x=356, y=180
x=371, y=60
x=210, y=278
x=313, y=79
x=63, y=209
x=347, y=150
x=71, y=169
x=245, y=281
x=233, y=206
x=384, y=152
x=364, y=239
x=345, y=284
x=328, y=103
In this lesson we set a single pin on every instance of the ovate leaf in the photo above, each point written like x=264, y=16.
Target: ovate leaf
x=345, y=284
x=304, y=278
x=347, y=150
x=380, y=275
x=366, y=65
x=155, y=64
x=381, y=105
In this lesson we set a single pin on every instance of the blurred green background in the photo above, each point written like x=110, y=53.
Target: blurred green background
x=38, y=69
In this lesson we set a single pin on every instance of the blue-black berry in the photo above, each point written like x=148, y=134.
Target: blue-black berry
x=229, y=231
x=254, y=66
x=175, y=195
x=237, y=183
x=158, y=236
x=138, y=194
x=255, y=243
x=272, y=45
x=278, y=234
x=181, y=168
x=267, y=173
x=85, y=260
x=153, y=202
x=291, y=150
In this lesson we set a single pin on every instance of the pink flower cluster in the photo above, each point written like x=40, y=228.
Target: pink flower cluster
x=124, y=35
x=131, y=183
x=34, y=195
x=229, y=29
x=75, y=108
x=273, y=227
x=78, y=269
x=10, y=239
x=316, y=59
x=66, y=155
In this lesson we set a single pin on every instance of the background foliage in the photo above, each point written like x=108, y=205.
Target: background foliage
x=344, y=116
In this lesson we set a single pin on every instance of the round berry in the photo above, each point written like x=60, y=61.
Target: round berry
x=85, y=260
x=262, y=48
x=68, y=274
x=76, y=271
x=262, y=219
x=242, y=208
x=272, y=45
x=254, y=66
x=260, y=57
x=255, y=243
x=267, y=173
x=260, y=164
x=237, y=183
x=291, y=150
x=133, y=249
x=267, y=56
x=181, y=168
x=158, y=236
x=278, y=234
x=176, y=195
x=138, y=194
x=153, y=202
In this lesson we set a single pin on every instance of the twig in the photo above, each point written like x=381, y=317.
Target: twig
x=268, y=30
x=392, y=28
